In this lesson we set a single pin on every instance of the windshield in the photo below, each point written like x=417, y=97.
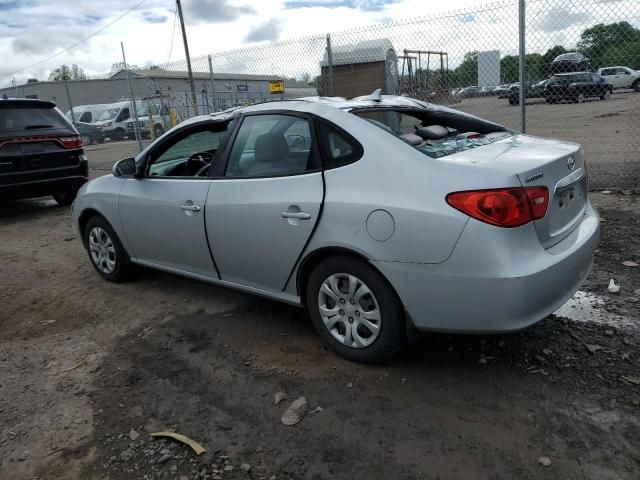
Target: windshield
x=436, y=134
x=107, y=114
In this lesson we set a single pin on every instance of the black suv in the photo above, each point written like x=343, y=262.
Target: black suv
x=41, y=153
x=577, y=87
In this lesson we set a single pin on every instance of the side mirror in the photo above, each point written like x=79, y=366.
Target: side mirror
x=124, y=168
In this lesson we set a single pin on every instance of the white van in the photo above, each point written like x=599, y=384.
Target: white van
x=86, y=113
x=117, y=119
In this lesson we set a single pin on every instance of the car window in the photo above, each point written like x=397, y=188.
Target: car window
x=86, y=117
x=396, y=122
x=606, y=72
x=30, y=118
x=124, y=115
x=621, y=71
x=339, y=149
x=271, y=145
x=171, y=161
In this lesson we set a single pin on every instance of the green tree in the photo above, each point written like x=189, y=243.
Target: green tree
x=118, y=66
x=466, y=74
x=612, y=44
x=64, y=72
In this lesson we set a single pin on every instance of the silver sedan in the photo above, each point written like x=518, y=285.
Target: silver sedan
x=382, y=215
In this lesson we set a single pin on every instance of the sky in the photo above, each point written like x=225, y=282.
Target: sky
x=33, y=30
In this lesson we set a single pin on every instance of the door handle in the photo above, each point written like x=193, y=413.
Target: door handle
x=192, y=208
x=298, y=215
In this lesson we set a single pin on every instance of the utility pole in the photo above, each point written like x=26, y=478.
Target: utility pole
x=186, y=52
x=133, y=100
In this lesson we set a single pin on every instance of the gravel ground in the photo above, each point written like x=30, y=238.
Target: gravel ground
x=89, y=369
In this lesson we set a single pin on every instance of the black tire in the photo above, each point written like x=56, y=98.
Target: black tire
x=636, y=85
x=392, y=334
x=605, y=95
x=118, y=134
x=158, y=130
x=65, y=198
x=123, y=268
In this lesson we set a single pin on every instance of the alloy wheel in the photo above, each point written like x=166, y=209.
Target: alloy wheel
x=349, y=310
x=102, y=250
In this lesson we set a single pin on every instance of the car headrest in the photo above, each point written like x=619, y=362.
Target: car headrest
x=432, y=132
x=271, y=147
x=411, y=139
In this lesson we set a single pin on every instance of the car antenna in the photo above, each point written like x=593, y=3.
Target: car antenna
x=376, y=96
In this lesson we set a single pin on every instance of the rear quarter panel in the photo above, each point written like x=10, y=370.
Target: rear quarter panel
x=395, y=177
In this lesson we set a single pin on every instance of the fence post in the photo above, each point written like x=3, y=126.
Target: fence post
x=523, y=72
x=133, y=99
x=66, y=89
x=213, y=85
x=332, y=87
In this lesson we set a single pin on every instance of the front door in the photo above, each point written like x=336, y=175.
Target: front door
x=262, y=210
x=163, y=212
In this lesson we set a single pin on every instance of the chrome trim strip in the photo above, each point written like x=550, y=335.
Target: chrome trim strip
x=570, y=179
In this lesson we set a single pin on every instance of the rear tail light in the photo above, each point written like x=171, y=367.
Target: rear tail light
x=71, y=142
x=502, y=207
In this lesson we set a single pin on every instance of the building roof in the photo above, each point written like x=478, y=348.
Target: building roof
x=183, y=75
x=366, y=51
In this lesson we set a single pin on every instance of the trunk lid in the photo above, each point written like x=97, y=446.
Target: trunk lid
x=554, y=164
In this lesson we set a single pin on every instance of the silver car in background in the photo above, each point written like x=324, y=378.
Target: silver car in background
x=382, y=215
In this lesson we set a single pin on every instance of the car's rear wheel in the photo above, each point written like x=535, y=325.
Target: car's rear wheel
x=580, y=98
x=606, y=95
x=106, y=253
x=355, y=310
x=636, y=85
x=65, y=197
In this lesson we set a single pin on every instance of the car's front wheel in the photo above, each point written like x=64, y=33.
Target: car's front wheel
x=636, y=85
x=606, y=95
x=355, y=310
x=106, y=253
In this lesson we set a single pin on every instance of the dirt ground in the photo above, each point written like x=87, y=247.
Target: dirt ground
x=88, y=369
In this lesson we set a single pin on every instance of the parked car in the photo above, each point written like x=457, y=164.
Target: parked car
x=40, y=152
x=569, y=62
x=116, y=121
x=89, y=133
x=469, y=92
x=85, y=113
x=621, y=77
x=534, y=90
x=298, y=201
x=577, y=87
x=501, y=91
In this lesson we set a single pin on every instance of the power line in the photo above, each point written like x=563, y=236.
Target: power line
x=173, y=33
x=77, y=43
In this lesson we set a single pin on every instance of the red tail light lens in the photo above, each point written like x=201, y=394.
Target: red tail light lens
x=502, y=207
x=71, y=142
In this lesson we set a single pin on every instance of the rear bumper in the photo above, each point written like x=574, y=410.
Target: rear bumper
x=43, y=182
x=495, y=285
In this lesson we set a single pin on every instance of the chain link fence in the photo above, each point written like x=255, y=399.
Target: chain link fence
x=582, y=80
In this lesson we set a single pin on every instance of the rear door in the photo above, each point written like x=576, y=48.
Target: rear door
x=265, y=200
